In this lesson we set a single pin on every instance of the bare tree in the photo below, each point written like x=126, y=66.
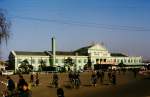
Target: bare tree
x=4, y=27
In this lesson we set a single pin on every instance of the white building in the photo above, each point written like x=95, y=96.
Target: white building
x=96, y=53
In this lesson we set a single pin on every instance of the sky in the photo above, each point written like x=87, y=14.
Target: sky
x=122, y=25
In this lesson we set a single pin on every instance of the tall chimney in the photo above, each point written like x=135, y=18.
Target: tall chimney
x=53, y=51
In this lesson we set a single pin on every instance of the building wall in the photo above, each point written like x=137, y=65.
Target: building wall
x=33, y=60
x=97, y=54
x=79, y=61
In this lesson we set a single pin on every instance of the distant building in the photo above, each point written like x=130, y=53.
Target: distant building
x=2, y=65
x=97, y=54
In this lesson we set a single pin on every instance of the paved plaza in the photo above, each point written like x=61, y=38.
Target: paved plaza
x=127, y=86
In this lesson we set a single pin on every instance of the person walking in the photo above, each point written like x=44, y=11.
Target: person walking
x=55, y=80
x=93, y=79
x=76, y=80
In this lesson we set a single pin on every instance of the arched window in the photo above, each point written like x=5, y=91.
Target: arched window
x=128, y=60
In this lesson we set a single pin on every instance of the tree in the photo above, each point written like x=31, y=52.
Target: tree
x=25, y=67
x=68, y=62
x=121, y=64
x=42, y=65
x=89, y=63
x=4, y=27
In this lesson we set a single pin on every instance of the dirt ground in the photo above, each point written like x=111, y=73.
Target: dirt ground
x=127, y=86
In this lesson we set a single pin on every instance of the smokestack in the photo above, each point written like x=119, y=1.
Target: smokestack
x=53, y=51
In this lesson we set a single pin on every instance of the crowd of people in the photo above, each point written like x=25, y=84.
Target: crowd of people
x=74, y=79
x=23, y=88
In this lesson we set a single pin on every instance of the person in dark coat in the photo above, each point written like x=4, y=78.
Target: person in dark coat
x=10, y=86
x=93, y=79
x=60, y=92
x=55, y=80
x=98, y=75
x=21, y=82
x=26, y=92
x=114, y=79
x=37, y=79
x=32, y=80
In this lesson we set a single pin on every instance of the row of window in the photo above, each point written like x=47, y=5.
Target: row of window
x=33, y=61
x=45, y=61
x=74, y=60
x=39, y=61
x=120, y=60
x=128, y=60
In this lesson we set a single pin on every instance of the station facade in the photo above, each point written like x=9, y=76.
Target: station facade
x=97, y=54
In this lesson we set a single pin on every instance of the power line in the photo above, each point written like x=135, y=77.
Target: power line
x=85, y=24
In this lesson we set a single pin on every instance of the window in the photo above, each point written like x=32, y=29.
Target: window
x=121, y=60
x=140, y=60
x=56, y=60
x=62, y=60
x=114, y=60
x=33, y=61
x=39, y=61
x=128, y=60
x=101, y=60
x=79, y=61
x=124, y=60
x=104, y=60
x=131, y=61
x=85, y=61
x=134, y=60
x=118, y=60
x=97, y=60
x=19, y=61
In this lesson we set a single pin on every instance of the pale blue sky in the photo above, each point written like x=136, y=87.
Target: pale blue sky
x=122, y=25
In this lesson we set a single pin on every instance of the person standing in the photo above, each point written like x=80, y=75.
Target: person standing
x=10, y=86
x=55, y=80
x=76, y=80
x=109, y=76
x=60, y=92
x=98, y=75
x=32, y=80
x=135, y=73
x=37, y=79
x=26, y=92
x=114, y=78
x=21, y=82
x=102, y=76
x=93, y=79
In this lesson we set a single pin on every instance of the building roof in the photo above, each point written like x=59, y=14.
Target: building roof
x=118, y=55
x=30, y=53
x=46, y=53
x=67, y=53
x=83, y=48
